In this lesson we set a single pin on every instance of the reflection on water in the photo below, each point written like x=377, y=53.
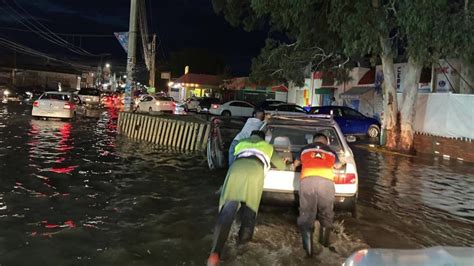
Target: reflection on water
x=76, y=193
x=433, y=197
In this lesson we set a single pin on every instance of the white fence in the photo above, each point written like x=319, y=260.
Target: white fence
x=444, y=114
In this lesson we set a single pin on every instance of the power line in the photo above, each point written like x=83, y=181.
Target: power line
x=84, y=35
x=40, y=29
x=29, y=51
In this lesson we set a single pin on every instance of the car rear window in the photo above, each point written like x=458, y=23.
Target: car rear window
x=301, y=136
x=89, y=91
x=56, y=96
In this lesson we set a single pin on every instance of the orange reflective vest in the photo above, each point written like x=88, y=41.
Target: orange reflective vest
x=316, y=161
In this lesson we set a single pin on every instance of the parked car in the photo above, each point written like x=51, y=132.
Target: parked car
x=157, y=104
x=265, y=104
x=286, y=109
x=233, y=108
x=289, y=134
x=56, y=104
x=351, y=121
x=89, y=96
x=191, y=104
x=205, y=104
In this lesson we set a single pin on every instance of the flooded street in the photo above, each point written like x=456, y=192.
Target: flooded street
x=76, y=193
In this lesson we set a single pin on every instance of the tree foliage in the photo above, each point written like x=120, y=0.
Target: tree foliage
x=299, y=39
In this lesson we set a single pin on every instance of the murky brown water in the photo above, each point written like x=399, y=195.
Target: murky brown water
x=76, y=193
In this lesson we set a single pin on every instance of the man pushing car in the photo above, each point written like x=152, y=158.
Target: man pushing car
x=317, y=191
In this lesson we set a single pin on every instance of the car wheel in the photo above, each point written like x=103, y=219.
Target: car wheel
x=150, y=110
x=186, y=109
x=226, y=113
x=373, y=131
x=74, y=117
x=137, y=109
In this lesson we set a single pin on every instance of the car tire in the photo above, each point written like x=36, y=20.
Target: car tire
x=137, y=109
x=226, y=113
x=186, y=109
x=373, y=131
x=74, y=117
x=150, y=110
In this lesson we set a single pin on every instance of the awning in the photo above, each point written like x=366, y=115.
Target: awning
x=356, y=92
x=281, y=88
x=329, y=91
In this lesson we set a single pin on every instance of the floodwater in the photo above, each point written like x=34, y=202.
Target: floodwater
x=75, y=193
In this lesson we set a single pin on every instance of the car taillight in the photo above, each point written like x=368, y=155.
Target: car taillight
x=174, y=104
x=347, y=178
x=36, y=104
x=69, y=106
x=215, y=106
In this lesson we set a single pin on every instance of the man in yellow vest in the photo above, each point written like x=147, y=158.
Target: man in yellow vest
x=317, y=191
x=243, y=189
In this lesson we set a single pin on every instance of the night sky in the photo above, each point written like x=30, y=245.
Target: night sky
x=178, y=23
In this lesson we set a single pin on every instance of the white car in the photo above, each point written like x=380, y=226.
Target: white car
x=233, y=108
x=286, y=109
x=157, y=104
x=56, y=104
x=289, y=134
x=90, y=96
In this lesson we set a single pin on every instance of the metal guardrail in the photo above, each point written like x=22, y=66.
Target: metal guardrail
x=170, y=131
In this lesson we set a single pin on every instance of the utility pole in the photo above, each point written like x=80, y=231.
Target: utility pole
x=131, y=54
x=153, y=62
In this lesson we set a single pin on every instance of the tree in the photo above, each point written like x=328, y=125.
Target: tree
x=421, y=31
x=299, y=37
x=323, y=33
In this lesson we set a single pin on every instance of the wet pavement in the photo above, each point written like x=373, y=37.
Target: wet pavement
x=75, y=193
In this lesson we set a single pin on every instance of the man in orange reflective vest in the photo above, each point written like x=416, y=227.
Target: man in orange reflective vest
x=317, y=191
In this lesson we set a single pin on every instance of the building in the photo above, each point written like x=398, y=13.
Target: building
x=199, y=85
x=45, y=79
x=241, y=88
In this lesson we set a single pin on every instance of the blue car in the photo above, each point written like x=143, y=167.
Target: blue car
x=350, y=121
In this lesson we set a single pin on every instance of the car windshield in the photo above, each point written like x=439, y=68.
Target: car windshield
x=89, y=91
x=56, y=96
x=295, y=138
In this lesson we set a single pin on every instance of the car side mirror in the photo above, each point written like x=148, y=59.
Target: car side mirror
x=351, y=139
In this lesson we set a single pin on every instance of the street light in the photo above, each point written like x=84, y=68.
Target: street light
x=107, y=65
x=124, y=76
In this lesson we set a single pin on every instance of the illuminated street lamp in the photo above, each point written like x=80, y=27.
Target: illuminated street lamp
x=124, y=76
x=107, y=65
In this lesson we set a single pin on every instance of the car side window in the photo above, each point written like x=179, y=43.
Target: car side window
x=147, y=99
x=240, y=104
x=336, y=112
x=352, y=113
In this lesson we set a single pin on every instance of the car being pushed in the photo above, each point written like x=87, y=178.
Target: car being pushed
x=54, y=104
x=351, y=121
x=288, y=135
x=157, y=104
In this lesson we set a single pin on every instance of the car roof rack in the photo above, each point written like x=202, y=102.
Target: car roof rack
x=307, y=119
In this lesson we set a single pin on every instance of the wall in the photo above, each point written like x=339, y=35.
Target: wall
x=445, y=147
x=444, y=114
